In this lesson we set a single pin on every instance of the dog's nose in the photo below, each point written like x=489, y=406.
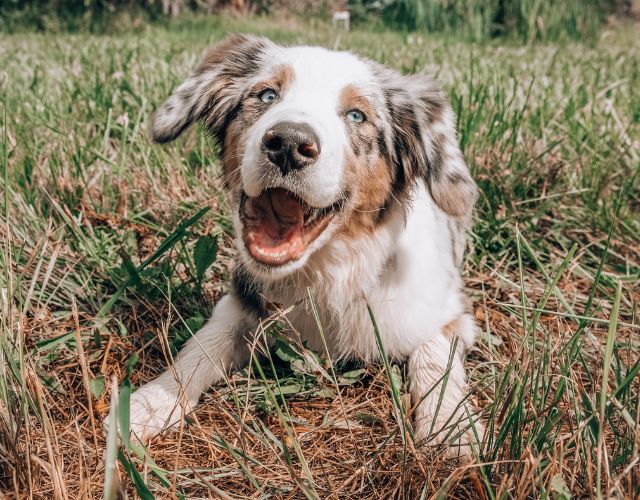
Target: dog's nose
x=291, y=146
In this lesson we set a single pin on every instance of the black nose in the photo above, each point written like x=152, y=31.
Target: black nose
x=291, y=146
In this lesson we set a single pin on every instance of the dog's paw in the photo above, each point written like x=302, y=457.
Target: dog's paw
x=153, y=409
x=463, y=440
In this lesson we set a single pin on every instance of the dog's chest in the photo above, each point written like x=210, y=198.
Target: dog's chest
x=344, y=323
x=409, y=303
x=405, y=277
x=329, y=310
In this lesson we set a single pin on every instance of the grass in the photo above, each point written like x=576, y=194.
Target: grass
x=526, y=19
x=114, y=250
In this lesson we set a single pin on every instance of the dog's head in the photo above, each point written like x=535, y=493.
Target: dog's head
x=316, y=144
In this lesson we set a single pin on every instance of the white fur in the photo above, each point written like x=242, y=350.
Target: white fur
x=406, y=270
x=411, y=304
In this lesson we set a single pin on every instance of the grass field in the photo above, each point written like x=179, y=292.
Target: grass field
x=103, y=278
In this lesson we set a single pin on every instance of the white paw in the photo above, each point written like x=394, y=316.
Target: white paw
x=463, y=439
x=153, y=409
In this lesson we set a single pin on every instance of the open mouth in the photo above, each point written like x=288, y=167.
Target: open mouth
x=278, y=226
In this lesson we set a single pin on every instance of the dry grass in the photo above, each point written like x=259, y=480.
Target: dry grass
x=551, y=133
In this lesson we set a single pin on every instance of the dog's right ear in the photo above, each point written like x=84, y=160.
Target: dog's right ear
x=425, y=142
x=214, y=89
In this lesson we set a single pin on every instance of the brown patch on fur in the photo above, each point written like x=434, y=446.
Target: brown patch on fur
x=217, y=53
x=352, y=97
x=281, y=80
x=371, y=184
x=362, y=136
x=451, y=329
x=368, y=174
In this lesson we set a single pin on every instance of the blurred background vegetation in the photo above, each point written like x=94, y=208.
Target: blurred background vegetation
x=527, y=20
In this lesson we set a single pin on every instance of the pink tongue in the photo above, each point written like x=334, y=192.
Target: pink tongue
x=276, y=212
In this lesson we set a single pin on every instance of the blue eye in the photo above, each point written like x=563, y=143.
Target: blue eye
x=355, y=115
x=268, y=96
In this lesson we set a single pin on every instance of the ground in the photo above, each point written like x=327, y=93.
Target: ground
x=114, y=250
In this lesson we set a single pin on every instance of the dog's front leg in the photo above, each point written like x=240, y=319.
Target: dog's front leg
x=204, y=360
x=438, y=389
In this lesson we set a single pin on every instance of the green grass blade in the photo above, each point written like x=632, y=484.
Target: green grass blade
x=395, y=393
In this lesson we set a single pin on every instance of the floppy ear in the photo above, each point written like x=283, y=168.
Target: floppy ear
x=425, y=142
x=214, y=89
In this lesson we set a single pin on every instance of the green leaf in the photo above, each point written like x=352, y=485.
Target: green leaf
x=131, y=364
x=325, y=392
x=284, y=390
x=96, y=386
x=174, y=237
x=123, y=412
x=164, y=247
x=131, y=270
x=285, y=352
x=627, y=380
x=560, y=488
x=351, y=377
x=396, y=375
x=141, y=488
x=204, y=254
x=194, y=323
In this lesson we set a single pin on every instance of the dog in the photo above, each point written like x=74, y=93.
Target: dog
x=348, y=188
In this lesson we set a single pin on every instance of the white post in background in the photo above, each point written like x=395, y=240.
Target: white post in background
x=341, y=15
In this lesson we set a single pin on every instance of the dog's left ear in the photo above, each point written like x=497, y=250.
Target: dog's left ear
x=425, y=142
x=214, y=89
